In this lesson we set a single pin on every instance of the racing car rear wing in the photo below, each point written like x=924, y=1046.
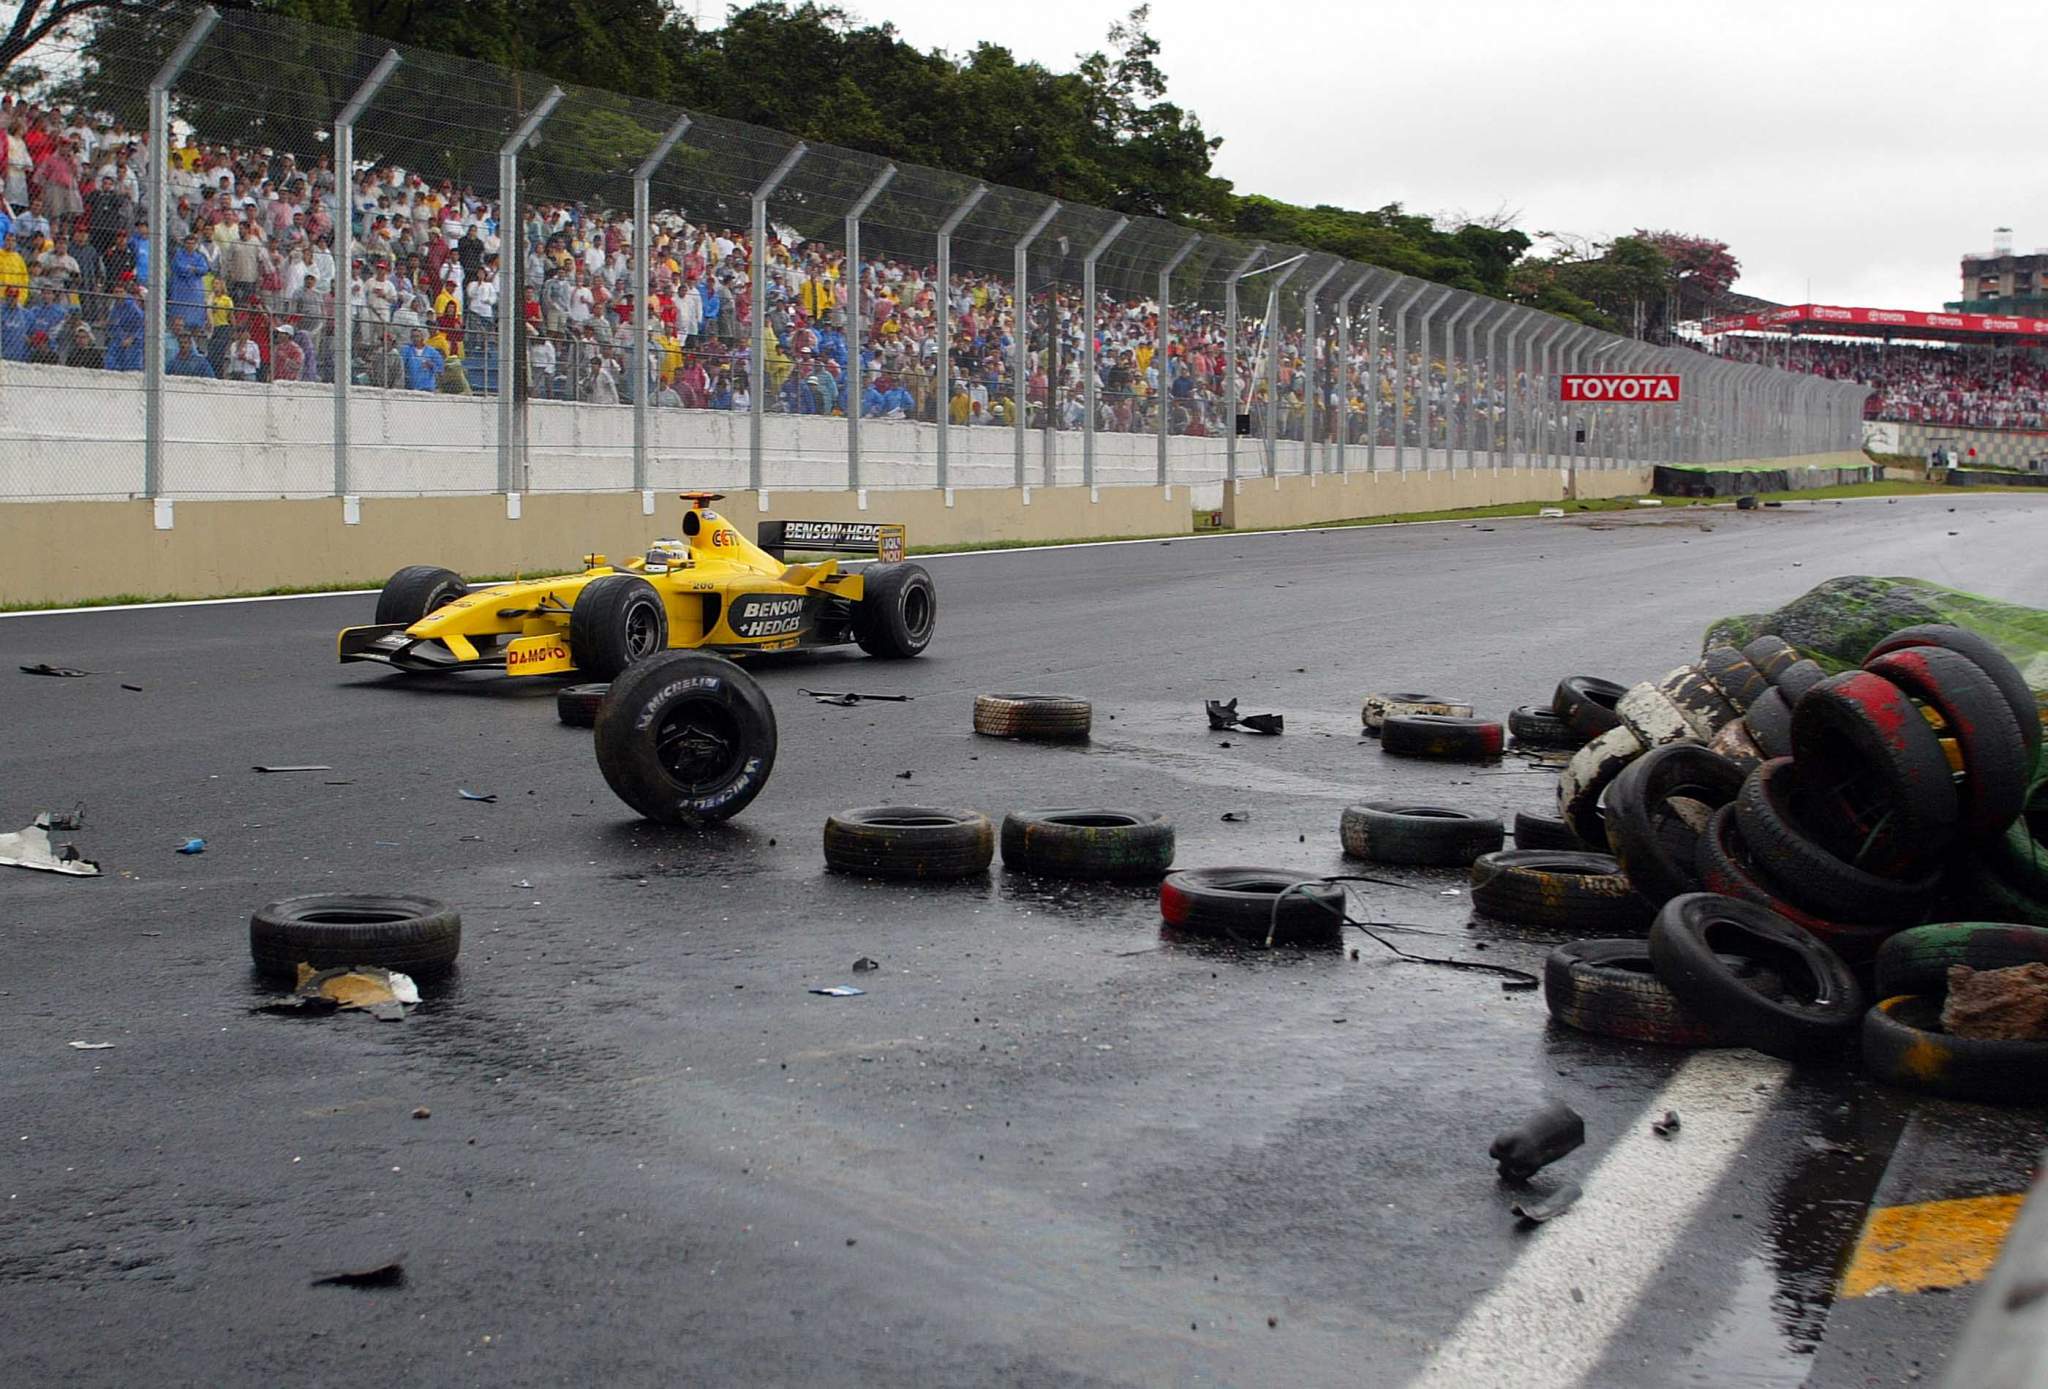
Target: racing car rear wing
x=886, y=540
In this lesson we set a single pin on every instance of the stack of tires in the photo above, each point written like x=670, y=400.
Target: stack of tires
x=1766, y=811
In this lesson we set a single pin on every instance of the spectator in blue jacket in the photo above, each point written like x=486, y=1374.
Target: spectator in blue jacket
x=422, y=363
x=188, y=360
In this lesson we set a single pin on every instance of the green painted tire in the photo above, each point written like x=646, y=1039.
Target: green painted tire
x=1916, y=961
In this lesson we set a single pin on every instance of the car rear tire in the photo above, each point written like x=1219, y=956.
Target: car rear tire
x=617, y=620
x=898, y=611
x=686, y=738
x=333, y=930
x=415, y=591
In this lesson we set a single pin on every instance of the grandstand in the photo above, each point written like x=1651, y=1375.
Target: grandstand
x=1959, y=370
x=253, y=290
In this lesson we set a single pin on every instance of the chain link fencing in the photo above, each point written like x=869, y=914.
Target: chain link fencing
x=389, y=271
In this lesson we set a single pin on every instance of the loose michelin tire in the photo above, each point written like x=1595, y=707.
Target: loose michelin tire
x=415, y=591
x=898, y=611
x=616, y=620
x=686, y=738
x=333, y=930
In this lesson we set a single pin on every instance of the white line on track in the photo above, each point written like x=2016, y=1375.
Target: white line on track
x=1530, y=1332
x=942, y=554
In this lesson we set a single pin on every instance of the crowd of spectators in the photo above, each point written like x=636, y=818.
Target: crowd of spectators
x=253, y=288
x=1970, y=386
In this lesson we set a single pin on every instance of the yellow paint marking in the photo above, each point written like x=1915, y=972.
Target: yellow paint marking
x=1934, y=1244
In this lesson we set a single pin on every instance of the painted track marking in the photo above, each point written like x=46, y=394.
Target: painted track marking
x=1530, y=1332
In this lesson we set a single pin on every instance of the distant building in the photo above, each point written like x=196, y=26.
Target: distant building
x=2003, y=283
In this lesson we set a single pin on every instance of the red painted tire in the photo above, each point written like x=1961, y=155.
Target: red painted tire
x=1442, y=736
x=1989, y=659
x=1993, y=747
x=1727, y=867
x=1873, y=771
x=1769, y=813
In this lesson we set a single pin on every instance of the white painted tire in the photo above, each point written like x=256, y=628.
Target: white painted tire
x=1587, y=776
x=1734, y=743
x=1381, y=707
x=1699, y=703
x=1649, y=713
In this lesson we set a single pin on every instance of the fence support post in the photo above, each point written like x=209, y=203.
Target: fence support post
x=856, y=329
x=1089, y=377
x=1163, y=343
x=643, y=252
x=157, y=310
x=1019, y=331
x=1450, y=385
x=344, y=253
x=1343, y=371
x=757, y=348
x=1271, y=342
x=942, y=305
x=510, y=263
x=1232, y=394
x=1309, y=347
x=1422, y=376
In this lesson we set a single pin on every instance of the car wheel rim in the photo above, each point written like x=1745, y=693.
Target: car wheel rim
x=698, y=744
x=917, y=610
x=642, y=630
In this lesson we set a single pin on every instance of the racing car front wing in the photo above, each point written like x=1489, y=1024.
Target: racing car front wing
x=387, y=644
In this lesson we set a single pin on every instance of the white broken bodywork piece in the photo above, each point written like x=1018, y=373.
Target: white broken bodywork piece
x=30, y=848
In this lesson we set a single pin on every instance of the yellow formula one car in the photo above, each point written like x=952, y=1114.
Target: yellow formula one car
x=713, y=589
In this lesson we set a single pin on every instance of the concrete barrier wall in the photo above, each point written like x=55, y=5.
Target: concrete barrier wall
x=2008, y=448
x=1305, y=501
x=66, y=552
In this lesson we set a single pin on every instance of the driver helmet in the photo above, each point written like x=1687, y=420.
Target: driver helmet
x=667, y=553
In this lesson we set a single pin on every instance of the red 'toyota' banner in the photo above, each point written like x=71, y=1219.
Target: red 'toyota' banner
x=1624, y=386
x=1817, y=317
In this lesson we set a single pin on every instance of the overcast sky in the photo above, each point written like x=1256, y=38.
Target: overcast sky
x=1856, y=149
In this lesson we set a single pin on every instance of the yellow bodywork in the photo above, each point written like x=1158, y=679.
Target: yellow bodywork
x=710, y=580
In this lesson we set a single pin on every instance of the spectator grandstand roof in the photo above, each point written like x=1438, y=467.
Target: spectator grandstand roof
x=1890, y=323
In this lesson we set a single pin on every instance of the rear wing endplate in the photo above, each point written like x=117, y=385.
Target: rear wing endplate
x=885, y=540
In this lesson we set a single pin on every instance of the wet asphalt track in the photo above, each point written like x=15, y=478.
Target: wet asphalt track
x=1041, y=1150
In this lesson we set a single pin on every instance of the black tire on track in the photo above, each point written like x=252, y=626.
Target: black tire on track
x=1728, y=868
x=1537, y=727
x=1769, y=722
x=616, y=620
x=1113, y=845
x=1819, y=1004
x=1043, y=717
x=1917, y=961
x=1534, y=831
x=1874, y=774
x=417, y=590
x=1739, y=682
x=898, y=611
x=1444, y=736
x=1610, y=988
x=1237, y=904
x=1654, y=840
x=1993, y=662
x=1796, y=679
x=577, y=705
x=686, y=738
x=1432, y=836
x=909, y=841
x=1558, y=890
x=1769, y=812
x=333, y=930
x=1769, y=654
x=1996, y=764
x=1586, y=702
x=1904, y=1046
